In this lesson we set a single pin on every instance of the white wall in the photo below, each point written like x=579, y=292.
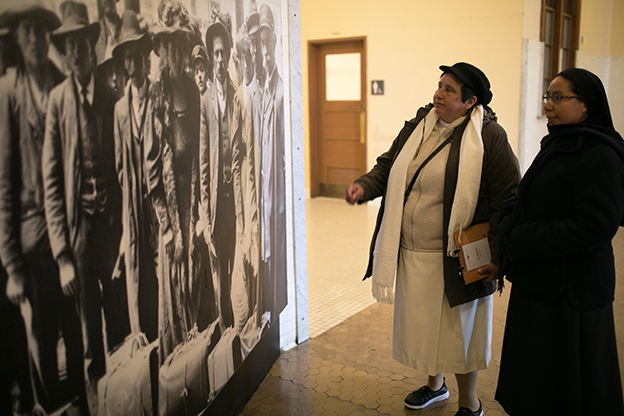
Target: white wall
x=532, y=122
x=294, y=318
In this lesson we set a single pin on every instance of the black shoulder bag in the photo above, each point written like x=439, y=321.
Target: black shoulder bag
x=420, y=168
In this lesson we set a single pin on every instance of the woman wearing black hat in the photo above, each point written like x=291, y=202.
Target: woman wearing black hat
x=559, y=351
x=466, y=173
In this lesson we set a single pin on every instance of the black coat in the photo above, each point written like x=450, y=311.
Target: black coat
x=499, y=182
x=557, y=240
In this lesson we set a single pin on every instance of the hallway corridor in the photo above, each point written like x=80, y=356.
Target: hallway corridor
x=347, y=369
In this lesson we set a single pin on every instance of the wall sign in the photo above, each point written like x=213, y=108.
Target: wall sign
x=377, y=87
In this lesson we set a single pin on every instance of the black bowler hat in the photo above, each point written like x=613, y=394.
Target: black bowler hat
x=474, y=78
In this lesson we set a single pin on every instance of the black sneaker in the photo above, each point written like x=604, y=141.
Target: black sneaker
x=424, y=396
x=464, y=411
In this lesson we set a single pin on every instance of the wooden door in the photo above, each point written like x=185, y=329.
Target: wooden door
x=337, y=115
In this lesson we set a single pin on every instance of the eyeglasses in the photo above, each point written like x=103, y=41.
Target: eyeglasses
x=557, y=98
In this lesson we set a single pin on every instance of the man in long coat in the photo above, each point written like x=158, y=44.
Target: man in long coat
x=139, y=240
x=33, y=278
x=220, y=168
x=272, y=175
x=79, y=180
x=249, y=98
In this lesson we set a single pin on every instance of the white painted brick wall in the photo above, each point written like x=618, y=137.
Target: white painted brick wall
x=598, y=64
x=611, y=72
x=294, y=318
x=532, y=122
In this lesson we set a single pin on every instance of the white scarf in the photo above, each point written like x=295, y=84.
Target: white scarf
x=386, y=252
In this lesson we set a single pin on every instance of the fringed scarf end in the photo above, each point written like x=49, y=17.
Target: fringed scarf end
x=383, y=294
x=451, y=249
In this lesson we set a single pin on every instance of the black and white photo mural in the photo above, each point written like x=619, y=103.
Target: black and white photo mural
x=142, y=202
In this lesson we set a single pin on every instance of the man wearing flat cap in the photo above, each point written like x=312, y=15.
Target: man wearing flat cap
x=199, y=62
x=138, y=246
x=24, y=244
x=450, y=168
x=272, y=175
x=81, y=189
x=220, y=168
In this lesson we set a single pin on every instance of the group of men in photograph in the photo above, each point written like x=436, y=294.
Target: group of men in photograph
x=106, y=232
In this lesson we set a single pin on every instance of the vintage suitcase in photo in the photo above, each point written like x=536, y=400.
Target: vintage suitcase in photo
x=224, y=360
x=183, y=387
x=129, y=386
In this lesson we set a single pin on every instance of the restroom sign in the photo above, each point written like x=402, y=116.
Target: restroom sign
x=377, y=87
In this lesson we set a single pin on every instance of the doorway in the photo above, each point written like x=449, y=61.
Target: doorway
x=337, y=91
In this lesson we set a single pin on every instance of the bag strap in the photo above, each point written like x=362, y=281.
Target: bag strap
x=420, y=168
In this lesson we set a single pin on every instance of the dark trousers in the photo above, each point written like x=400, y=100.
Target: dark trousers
x=92, y=250
x=225, y=245
x=52, y=313
x=15, y=382
x=273, y=291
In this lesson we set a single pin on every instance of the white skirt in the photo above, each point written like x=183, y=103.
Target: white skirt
x=429, y=335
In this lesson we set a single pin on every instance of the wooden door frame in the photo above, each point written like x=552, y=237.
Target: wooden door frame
x=313, y=84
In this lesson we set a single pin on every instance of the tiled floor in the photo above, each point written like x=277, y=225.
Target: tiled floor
x=338, y=238
x=348, y=369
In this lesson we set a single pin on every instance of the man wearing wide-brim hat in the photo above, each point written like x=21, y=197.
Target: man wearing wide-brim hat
x=139, y=224
x=132, y=37
x=41, y=17
x=218, y=31
x=32, y=273
x=82, y=195
x=220, y=163
x=75, y=24
x=25, y=253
